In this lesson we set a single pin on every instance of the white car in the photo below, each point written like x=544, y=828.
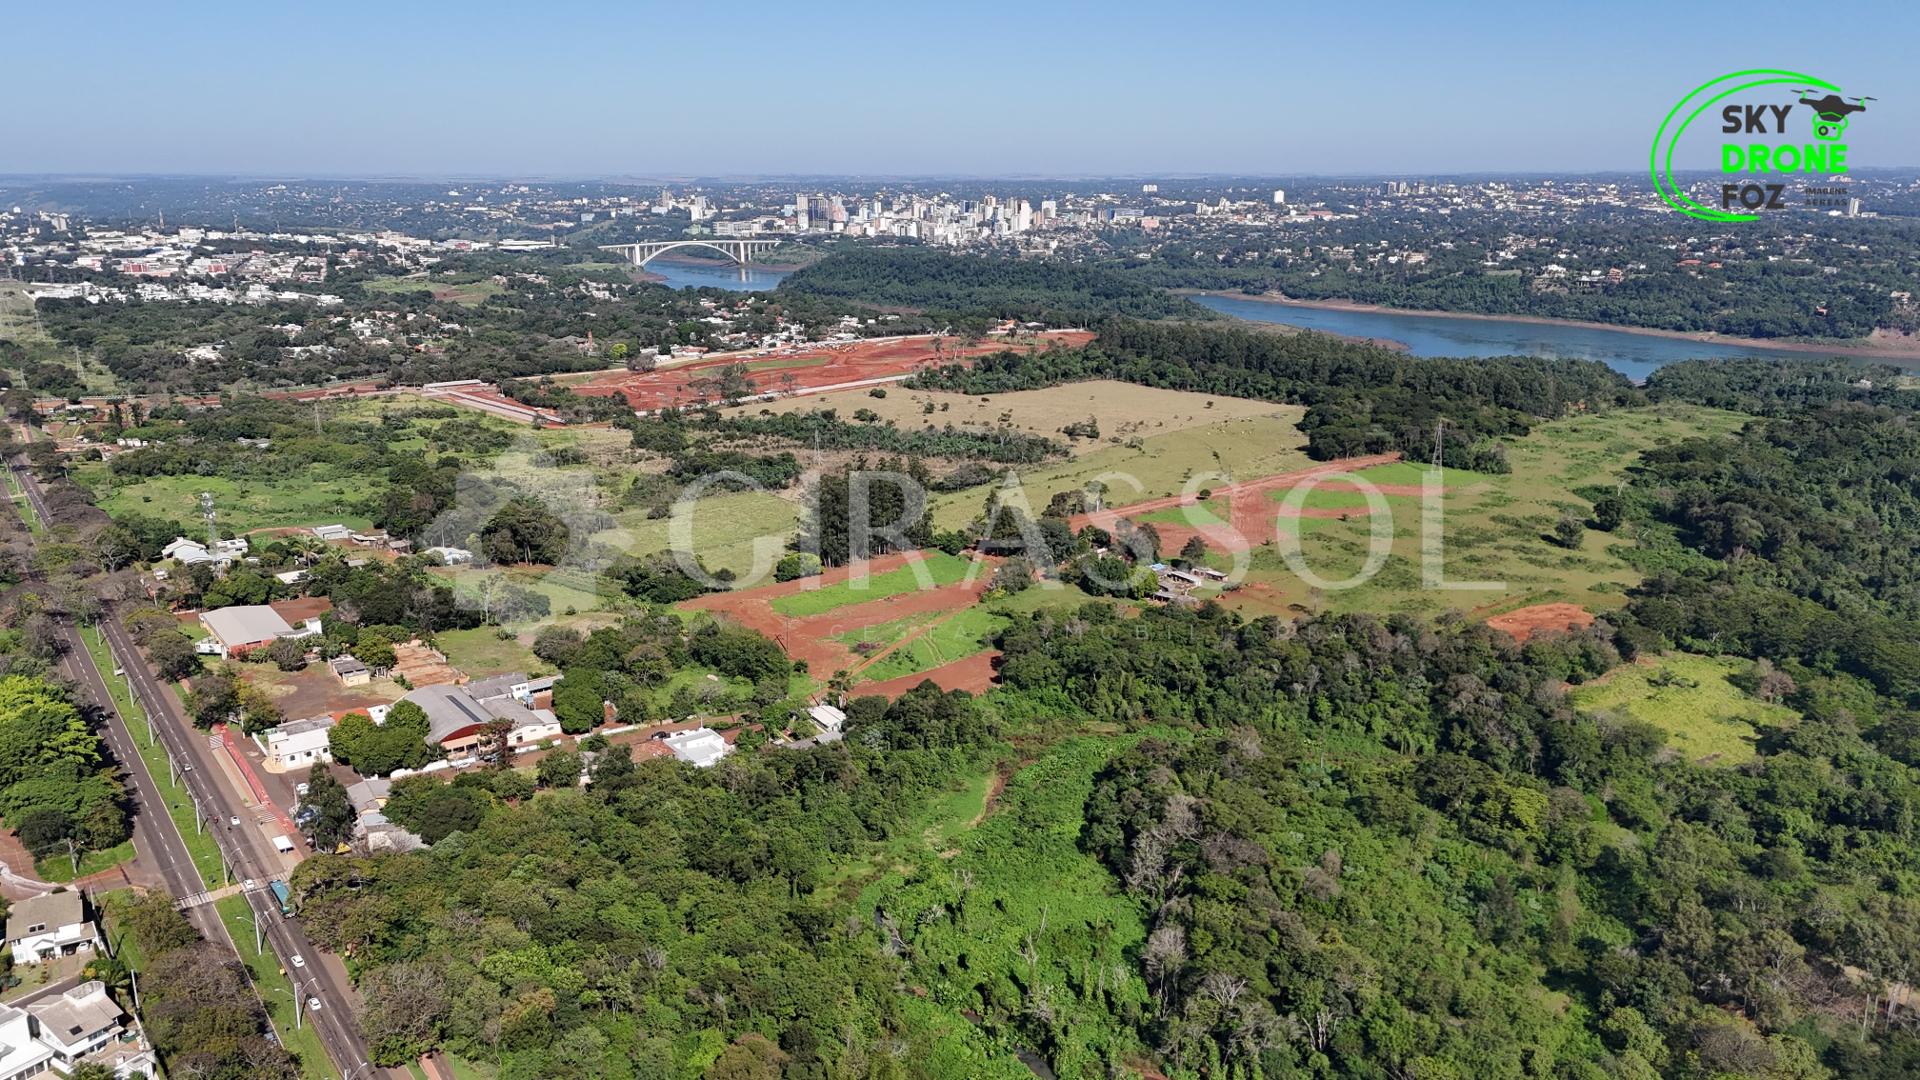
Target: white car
x=301, y=790
x=299, y=961
x=233, y=822
x=313, y=1004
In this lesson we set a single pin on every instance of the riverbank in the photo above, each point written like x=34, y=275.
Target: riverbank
x=1905, y=350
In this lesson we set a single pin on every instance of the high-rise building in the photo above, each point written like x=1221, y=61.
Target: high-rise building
x=1279, y=196
x=1149, y=189
x=1853, y=207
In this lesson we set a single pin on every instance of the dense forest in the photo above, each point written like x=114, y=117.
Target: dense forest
x=1361, y=398
x=960, y=286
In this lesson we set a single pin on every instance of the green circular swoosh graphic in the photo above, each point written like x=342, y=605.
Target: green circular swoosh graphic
x=1660, y=166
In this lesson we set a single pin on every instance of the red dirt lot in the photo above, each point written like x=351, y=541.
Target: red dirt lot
x=1253, y=514
x=1525, y=622
x=811, y=638
x=815, y=369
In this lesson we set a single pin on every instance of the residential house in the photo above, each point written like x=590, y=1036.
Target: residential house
x=297, y=744
x=350, y=671
x=49, y=925
x=77, y=1023
x=331, y=533
x=56, y=1032
x=451, y=556
x=702, y=747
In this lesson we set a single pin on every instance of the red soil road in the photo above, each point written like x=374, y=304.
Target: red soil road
x=811, y=638
x=1525, y=622
x=1252, y=513
x=812, y=369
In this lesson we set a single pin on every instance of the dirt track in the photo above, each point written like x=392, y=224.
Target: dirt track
x=812, y=369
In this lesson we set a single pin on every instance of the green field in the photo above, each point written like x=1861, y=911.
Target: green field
x=59, y=867
x=563, y=588
x=275, y=990
x=1706, y=717
x=727, y=530
x=937, y=565
x=200, y=845
x=961, y=636
x=886, y=633
x=1494, y=529
x=320, y=495
x=481, y=650
x=941, y=568
x=470, y=293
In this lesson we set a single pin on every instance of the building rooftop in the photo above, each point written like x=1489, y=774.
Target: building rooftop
x=51, y=910
x=80, y=1012
x=299, y=727
x=494, y=686
x=245, y=624
x=701, y=747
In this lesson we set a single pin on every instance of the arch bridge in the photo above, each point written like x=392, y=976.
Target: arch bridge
x=741, y=252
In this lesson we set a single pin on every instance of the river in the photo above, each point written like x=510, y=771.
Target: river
x=712, y=274
x=1633, y=355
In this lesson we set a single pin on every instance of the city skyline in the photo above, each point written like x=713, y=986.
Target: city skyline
x=596, y=90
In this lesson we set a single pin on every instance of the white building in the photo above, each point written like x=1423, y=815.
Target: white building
x=702, y=747
x=77, y=1023
x=452, y=556
x=298, y=744
x=49, y=925
x=827, y=718
x=243, y=627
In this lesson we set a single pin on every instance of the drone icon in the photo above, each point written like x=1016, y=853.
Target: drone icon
x=1830, y=112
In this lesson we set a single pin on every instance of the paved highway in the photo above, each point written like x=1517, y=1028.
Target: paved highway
x=247, y=853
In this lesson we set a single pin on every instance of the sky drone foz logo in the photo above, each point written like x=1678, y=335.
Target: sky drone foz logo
x=1759, y=115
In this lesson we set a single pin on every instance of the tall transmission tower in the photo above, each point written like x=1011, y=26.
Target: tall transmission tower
x=206, y=511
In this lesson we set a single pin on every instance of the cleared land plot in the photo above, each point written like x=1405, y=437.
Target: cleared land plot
x=830, y=365
x=1495, y=528
x=1121, y=410
x=1690, y=697
x=942, y=568
x=1157, y=466
x=962, y=635
x=470, y=293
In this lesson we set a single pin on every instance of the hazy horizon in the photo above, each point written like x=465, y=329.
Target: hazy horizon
x=591, y=90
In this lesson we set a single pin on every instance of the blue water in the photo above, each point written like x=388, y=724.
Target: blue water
x=1633, y=355
x=687, y=274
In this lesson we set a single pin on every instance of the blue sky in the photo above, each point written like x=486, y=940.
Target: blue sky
x=592, y=89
